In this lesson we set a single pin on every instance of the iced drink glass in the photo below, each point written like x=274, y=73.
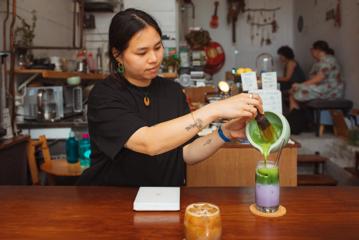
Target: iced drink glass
x=202, y=221
x=267, y=187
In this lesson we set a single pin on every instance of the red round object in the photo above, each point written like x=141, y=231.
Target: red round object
x=215, y=57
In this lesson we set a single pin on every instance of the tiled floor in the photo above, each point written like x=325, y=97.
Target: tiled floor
x=335, y=149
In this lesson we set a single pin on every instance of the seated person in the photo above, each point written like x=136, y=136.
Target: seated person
x=292, y=72
x=325, y=81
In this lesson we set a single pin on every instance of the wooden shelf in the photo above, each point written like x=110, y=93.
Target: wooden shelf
x=62, y=75
x=84, y=76
x=168, y=75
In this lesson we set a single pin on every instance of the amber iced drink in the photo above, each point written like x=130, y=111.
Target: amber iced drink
x=202, y=221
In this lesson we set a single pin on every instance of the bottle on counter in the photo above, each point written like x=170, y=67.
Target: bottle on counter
x=85, y=151
x=91, y=63
x=99, y=60
x=82, y=61
x=72, y=146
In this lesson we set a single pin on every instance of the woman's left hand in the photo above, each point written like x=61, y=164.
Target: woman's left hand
x=235, y=128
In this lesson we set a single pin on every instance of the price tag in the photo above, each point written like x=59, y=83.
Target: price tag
x=249, y=81
x=269, y=81
x=272, y=100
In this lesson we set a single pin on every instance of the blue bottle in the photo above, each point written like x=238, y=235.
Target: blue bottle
x=72, y=146
x=85, y=151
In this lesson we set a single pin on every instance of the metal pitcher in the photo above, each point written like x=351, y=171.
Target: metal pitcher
x=46, y=106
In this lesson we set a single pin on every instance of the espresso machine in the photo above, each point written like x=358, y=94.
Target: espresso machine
x=44, y=103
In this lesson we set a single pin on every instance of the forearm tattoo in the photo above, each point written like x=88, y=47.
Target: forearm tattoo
x=198, y=123
x=207, y=142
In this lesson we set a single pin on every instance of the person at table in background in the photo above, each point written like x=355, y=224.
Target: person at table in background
x=142, y=132
x=325, y=80
x=292, y=72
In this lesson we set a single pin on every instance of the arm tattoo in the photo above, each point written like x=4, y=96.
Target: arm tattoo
x=207, y=142
x=198, y=123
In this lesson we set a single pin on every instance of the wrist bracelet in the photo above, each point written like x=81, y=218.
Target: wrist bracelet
x=222, y=136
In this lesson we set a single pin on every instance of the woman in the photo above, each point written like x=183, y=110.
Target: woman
x=325, y=81
x=293, y=73
x=140, y=127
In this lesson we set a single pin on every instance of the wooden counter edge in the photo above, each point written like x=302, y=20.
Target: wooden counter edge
x=247, y=145
x=7, y=143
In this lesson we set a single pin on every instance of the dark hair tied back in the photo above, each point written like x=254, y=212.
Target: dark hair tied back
x=124, y=25
x=323, y=46
x=286, y=51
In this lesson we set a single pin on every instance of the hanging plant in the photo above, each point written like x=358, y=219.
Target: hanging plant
x=25, y=33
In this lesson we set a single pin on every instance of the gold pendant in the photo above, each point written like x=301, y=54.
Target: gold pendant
x=146, y=101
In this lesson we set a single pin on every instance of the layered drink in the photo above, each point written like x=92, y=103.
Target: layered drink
x=267, y=186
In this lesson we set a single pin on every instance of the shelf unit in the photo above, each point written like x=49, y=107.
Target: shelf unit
x=49, y=74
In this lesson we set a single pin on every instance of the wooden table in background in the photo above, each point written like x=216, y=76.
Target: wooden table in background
x=33, y=212
x=234, y=165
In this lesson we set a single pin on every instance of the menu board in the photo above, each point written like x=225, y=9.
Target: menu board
x=269, y=80
x=272, y=100
x=249, y=81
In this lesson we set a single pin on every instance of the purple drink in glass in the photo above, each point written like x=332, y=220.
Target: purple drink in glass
x=267, y=187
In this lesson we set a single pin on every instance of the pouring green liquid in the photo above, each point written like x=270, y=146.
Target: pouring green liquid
x=263, y=143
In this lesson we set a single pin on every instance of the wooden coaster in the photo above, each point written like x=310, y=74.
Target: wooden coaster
x=279, y=213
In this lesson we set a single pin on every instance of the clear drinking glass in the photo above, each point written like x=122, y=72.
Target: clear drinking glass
x=202, y=221
x=267, y=187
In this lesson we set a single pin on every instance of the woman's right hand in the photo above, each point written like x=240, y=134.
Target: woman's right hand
x=241, y=105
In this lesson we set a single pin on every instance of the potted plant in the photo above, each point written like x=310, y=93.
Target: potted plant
x=171, y=63
x=24, y=36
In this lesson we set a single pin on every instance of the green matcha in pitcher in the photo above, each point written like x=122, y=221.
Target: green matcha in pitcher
x=267, y=132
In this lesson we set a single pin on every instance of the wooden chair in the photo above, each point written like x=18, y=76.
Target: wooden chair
x=318, y=105
x=318, y=178
x=58, y=167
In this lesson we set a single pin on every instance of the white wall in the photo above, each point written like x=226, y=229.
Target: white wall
x=53, y=26
x=223, y=34
x=164, y=13
x=344, y=40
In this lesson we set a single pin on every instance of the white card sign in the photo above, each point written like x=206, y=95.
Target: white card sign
x=269, y=81
x=249, y=81
x=272, y=100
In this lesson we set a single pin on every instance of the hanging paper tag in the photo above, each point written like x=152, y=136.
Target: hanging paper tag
x=269, y=80
x=249, y=81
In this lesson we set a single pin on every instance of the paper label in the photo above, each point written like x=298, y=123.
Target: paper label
x=272, y=100
x=249, y=81
x=269, y=81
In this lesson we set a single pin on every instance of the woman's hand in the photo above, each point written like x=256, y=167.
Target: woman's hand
x=294, y=88
x=238, y=106
x=235, y=128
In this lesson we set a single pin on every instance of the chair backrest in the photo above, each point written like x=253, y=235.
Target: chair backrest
x=31, y=150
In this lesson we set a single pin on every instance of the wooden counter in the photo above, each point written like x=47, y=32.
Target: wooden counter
x=13, y=161
x=235, y=164
x=106, y=213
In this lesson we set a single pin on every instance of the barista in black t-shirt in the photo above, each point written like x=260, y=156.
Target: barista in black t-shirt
x=142, y=132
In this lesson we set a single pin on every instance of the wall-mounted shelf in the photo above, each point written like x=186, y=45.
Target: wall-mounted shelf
x=49, y=74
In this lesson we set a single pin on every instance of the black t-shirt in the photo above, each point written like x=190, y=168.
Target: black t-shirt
x=116, y=110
